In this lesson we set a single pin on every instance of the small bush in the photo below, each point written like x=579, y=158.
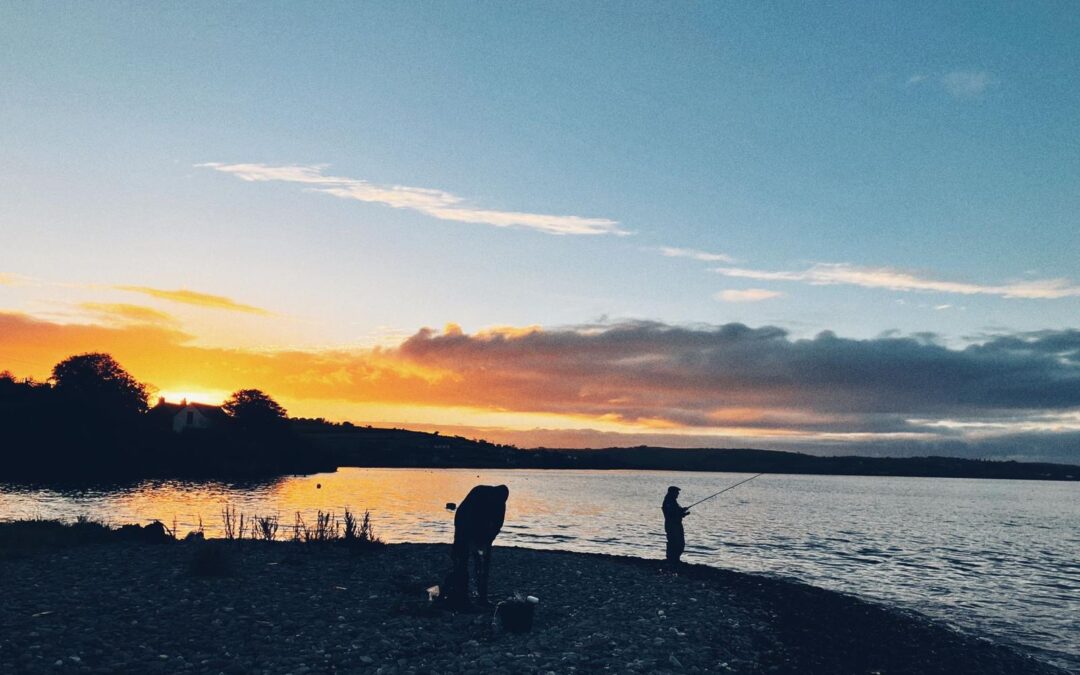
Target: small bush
x=350, y=530
x=264, y=528
x=348, y=526
x=362, y=533
x=172, y=532
x=154, y=533
x=233, y=523
x=325, y=529
x=22, y=537
x=86, y=531
x=298, y=528
x=367, y=532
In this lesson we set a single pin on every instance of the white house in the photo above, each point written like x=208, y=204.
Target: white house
x=186, y=416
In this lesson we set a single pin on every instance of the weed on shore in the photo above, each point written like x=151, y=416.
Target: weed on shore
x=22, y=537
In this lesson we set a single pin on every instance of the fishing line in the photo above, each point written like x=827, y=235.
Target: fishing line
x=730, y=487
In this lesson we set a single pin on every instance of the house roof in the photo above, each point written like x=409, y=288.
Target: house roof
x=166, y=408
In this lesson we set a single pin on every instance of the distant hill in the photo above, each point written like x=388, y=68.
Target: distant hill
x=351, y=445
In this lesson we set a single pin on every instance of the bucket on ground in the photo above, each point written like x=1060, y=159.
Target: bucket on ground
x=516, y=614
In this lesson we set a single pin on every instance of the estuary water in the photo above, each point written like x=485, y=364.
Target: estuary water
x=996, y=558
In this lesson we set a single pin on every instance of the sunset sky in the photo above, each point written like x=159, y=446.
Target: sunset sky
x=848, y=228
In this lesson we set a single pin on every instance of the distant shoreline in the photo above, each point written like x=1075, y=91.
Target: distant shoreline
x=1069, y=478
x=87, y=479
x=350, y=445
x=308, y=446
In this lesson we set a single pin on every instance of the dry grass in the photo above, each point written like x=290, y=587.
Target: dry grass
x=233, y=523
x=264, y=528
x=24, y=537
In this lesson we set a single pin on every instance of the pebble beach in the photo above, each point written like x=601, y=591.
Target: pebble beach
x=304, y=608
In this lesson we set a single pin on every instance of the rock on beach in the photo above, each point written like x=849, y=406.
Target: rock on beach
x=304, y=609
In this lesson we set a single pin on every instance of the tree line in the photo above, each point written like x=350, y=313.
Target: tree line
x=92, y=420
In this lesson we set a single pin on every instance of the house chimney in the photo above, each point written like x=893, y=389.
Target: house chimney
x=183, y=401
x=161, y=400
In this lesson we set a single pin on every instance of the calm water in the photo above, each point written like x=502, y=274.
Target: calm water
x=999, y=558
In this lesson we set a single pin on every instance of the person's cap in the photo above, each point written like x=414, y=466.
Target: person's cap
x=673, y=489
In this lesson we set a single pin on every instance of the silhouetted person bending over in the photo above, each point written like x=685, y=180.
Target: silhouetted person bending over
x=476, y=524
x=673, y=527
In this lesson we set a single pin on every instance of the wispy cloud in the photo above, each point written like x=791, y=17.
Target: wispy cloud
x=833, y=274
x=957, y=83
x=747, y=295
x=435, y=203
x=9, y=279
x=187, y=297
x=124, y=313
x=694, y=254
x=966, y=83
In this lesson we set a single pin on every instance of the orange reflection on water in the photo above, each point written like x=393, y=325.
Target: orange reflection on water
x=405, y=504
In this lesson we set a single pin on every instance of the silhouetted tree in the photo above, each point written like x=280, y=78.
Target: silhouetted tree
x=97, y=379
x=255, y=410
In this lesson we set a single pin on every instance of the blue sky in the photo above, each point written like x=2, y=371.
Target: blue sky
x=854, y=167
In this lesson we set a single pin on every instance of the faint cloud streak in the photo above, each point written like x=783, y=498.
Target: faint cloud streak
x=747, y=295
x=196, y=299
x=961, y=84
x=694, y=254
x=966, y=84
x=124, y=313
x=9, y=279
x=435, y=203
x=835, y=274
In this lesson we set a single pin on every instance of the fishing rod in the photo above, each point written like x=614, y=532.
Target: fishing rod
x=730, y=487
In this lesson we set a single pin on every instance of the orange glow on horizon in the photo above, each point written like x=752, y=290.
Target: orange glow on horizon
x=378, y=386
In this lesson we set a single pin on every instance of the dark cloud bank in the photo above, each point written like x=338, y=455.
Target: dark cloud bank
x=1008, y=396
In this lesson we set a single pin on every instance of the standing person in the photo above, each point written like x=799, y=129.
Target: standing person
x=476, y=524
x=673, y=526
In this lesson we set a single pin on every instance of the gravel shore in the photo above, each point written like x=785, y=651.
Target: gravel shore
x=292, y=608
